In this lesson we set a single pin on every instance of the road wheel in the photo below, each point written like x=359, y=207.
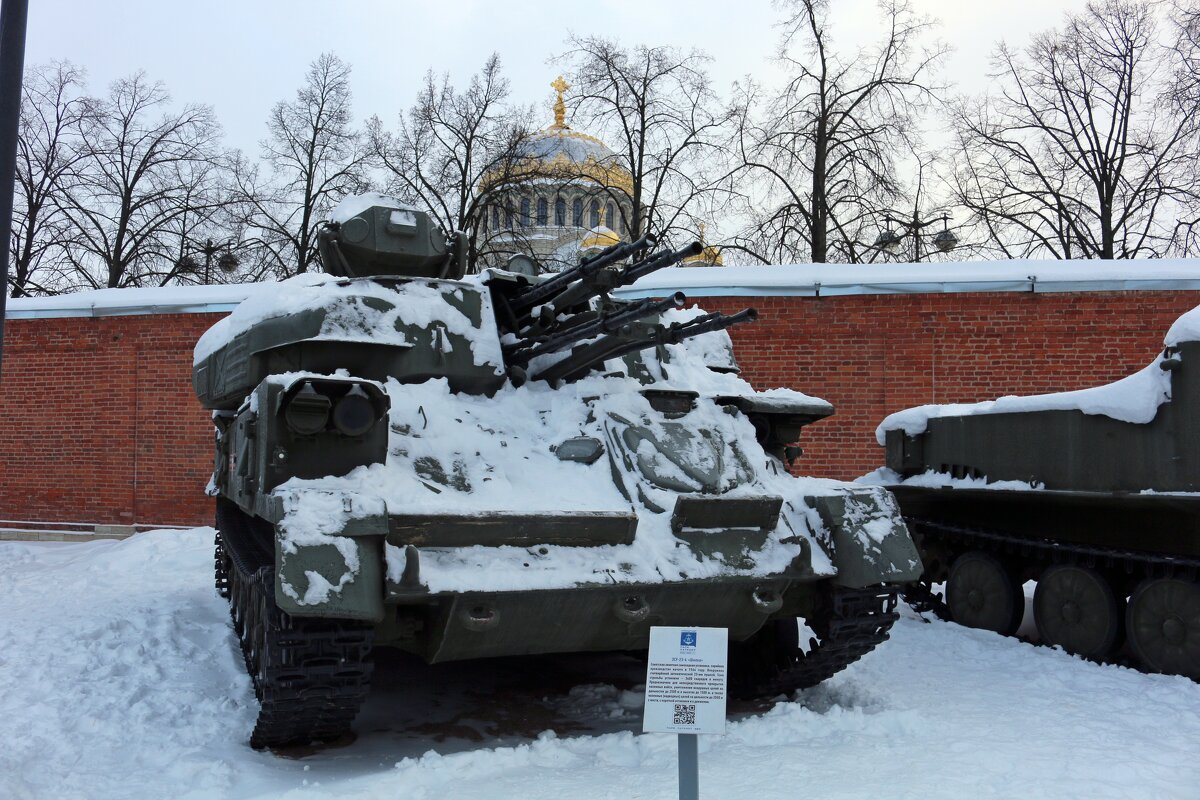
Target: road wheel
x=982, y=594
x=1163, y=621
x=1074, y=607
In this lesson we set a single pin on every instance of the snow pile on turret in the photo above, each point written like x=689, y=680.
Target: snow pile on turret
x=1184, y=329
x=364, y=310
x=354, y=204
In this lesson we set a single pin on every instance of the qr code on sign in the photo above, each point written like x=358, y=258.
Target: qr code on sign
x=685, y=714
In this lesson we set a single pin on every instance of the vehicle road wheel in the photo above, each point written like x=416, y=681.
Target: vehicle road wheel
x=1074, y=607
x=1163, y=622
x=982, y=594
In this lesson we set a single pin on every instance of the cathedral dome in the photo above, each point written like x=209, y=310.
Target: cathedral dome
x=554, y=143
x=561, y=155
x=598, y=238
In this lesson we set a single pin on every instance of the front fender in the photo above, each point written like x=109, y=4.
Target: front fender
x=866, y=538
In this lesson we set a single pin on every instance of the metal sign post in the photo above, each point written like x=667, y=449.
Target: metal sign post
x=686, y=692
x=13, y=14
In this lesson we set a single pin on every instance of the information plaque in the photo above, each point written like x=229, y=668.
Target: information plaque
x=685, y=680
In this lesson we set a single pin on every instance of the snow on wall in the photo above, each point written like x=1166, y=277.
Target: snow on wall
x=797, y=280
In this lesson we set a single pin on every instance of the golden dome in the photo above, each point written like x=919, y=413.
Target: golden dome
x=709, y=256
x=558, y=153
x=599, y=237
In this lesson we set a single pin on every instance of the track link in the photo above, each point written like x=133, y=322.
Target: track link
x=310, y=676
x=1031, y=550
x=850, y=624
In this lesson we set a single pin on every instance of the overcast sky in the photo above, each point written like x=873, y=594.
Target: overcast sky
x=242, y=57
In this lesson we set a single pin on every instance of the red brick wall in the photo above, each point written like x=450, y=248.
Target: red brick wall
x=871, y=355
x=101, y=424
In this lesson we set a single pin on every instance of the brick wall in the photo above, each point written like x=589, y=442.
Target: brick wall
x=102, y=426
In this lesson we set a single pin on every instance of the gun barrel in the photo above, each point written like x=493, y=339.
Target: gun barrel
x=618, y=251
x=657, y=262
x=580, y=363
x=548, y=288
x=523, y=351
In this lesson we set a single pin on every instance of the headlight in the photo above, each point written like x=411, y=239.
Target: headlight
x=354, y=414
x=308, y=412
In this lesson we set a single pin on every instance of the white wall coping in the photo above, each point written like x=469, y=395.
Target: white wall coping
x=787, y=280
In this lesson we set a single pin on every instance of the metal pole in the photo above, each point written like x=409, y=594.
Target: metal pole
x=13, y=14
x=689, y=766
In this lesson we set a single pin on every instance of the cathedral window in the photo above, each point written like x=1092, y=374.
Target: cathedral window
x=542, y=211
x=595, y=213
x=495, y=218
x=577, y=213
x=508, y=218
x=525, y=220
x=610, y=214
x=560, y=212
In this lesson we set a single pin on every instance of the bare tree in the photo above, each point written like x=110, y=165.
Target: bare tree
x=313, y=156
x=656, y=108
x=822, y=152
x=53, y=108
x=1081, y=153
x=1185, y=93
x=455, y=151
x=141, y=169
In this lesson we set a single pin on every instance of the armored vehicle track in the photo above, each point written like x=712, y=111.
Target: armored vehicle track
x=849, y=623
x=1080, y=603
x=310, y=675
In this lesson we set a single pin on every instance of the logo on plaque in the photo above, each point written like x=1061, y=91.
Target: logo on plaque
x=687, y=641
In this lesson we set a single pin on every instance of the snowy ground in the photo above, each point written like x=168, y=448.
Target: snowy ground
x=119, y=678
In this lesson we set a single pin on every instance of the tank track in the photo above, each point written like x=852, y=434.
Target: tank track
x=1125, y=568
x=1135, y=564
x=850, y=623
x=310, y=676
x=221, y=567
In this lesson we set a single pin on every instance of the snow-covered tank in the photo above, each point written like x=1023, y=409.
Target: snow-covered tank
x=1094, y=494
x=464, y=467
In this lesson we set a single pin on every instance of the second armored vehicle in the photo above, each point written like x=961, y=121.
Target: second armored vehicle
x=498, y=465
x=1094, y=494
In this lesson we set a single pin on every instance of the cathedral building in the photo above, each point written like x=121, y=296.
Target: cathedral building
x=566, y=196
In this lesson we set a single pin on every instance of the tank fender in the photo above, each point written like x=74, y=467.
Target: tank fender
x=866, y=538
x=333, y=568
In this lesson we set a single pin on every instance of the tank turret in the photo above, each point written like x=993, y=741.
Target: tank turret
x=465, y=467
x=374, y=236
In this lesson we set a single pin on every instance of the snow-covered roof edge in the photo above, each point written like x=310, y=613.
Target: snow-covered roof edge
x=789, y=280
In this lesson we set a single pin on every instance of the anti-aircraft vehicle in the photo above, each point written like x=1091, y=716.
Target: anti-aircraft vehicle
x=490, y=465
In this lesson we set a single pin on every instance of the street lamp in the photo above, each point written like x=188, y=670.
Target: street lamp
x=227, y=262
x=889, y=239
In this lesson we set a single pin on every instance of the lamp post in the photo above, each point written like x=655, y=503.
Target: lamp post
x=227, y=262
x=889, y=239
